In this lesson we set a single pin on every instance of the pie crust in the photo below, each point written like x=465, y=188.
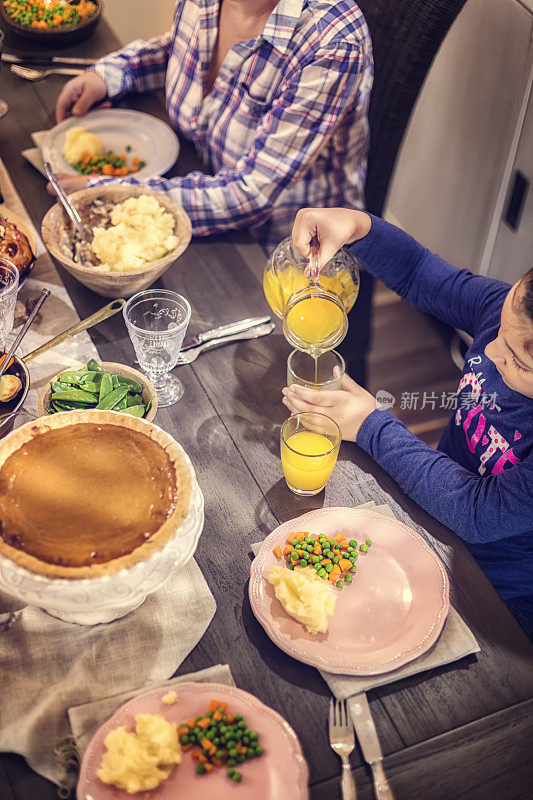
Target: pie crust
x=183, y=473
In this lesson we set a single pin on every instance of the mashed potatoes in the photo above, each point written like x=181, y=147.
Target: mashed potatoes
x=79, y=142
x=141, y=231
x=140, y=761
x=304, y=596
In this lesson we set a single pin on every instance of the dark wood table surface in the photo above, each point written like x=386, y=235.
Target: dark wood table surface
x=462, y=731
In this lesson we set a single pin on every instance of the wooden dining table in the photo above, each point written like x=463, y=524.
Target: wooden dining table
x=461, y=731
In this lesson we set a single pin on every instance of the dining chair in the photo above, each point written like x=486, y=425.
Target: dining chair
x=406, y=35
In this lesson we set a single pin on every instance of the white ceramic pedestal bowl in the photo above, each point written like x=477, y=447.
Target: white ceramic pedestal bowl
x=89, y=601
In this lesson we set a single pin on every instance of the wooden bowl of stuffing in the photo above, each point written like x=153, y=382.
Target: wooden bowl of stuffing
x=132, y=236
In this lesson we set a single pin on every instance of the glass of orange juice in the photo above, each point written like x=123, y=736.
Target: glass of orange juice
x=309, y=447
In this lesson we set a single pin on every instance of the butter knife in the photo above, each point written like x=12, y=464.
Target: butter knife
x=255, y=333
x=369, y=743
x=223, y=330
x=11, y=58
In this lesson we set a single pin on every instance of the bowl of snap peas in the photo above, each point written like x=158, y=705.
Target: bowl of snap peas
x=102, y=385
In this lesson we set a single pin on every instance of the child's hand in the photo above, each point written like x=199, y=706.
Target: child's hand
x=334, y=227
x=349, y=408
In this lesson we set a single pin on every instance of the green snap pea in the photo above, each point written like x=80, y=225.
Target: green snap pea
x=121, y=405
x=133, y=385
x=135, y=411
x=76, y=395
x=92, y=387
x=134, y=399
x=106, y=386
x=110, y=400
x=89, y=376
x=57, y=386
x=114, y=379
x=94, y=366
x=71, y=376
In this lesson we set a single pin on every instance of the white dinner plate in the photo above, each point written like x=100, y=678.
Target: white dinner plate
x=150, y=139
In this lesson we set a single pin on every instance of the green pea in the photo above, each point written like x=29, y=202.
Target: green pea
x=369, y=542
x=295, y=542
x=335, y=559
x=110, y=400
x=349, y=549
x=241, y=758
x=231, y=762
x=94, y=366
x=317, y=566
x=259, y=751
x=354, y=556
x=230, y=773
x=323, y=573
x=231, y=745
x=254, y=735
x=348, y=578
x=328, y=567
x=353, y=569
x=184, y=739
x=340, y=584
x=237, y=717
x=352, y=543
x=237, y=777
x=250, y=753
x=200, y=769
x=246, y=740
x=314, y=559
x=363, y=548
x=303, y=562
x=220, y=754
x=232, y=753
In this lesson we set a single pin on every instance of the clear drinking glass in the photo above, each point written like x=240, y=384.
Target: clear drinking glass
x=309, y=447
x=9, y=286
x=157, y=321
x=317, y=373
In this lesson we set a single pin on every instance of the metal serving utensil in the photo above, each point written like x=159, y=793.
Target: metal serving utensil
x=67, y=205
x=255, y=333
x=369, y=742
x=31, y=74
x=22, y=333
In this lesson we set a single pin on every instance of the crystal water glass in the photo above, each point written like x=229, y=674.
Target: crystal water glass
x=9, y=286
x=157, y=321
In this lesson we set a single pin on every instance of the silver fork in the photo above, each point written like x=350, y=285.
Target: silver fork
x=38, y=74
x=341, y=738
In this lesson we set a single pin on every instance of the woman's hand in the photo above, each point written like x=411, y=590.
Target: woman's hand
x=70, y=183
x=349, y=408
x=80, y=94
x=335, y=227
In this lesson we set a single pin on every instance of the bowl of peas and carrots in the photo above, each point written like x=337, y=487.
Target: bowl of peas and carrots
x=51, y=22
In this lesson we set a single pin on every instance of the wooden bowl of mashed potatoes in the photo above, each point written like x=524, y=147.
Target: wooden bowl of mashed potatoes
x=134, y=235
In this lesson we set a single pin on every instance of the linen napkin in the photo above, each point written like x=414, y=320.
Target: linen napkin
x=48, y=666
x=455, y=641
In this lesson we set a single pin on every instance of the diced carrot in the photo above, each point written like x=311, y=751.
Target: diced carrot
x=339, y=537
x=191, y=723
x=302, y=553
x=277, y=551
x=107, y=169
x=218, y=705
x=204, y=723
x=183, y=730
x=208, y=767
x=240, y=748
x=336, y=569
x=186, y=746
x=206, y=743
x=196, y=752
x=345, y=564
x=202, y=759
x=326, y=561
x=216, y=761
x=300, y=536
x=289, y=538
x=217, y=716
x=287, y=550
x=332, y=576
x=230, y=719
x=336, y=551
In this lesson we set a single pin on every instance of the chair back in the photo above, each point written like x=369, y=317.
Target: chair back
x=406, y=35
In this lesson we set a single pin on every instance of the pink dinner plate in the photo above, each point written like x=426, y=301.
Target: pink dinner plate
x=392, y=612
x=280, y=772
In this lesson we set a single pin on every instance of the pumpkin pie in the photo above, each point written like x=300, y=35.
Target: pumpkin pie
x=88, y=493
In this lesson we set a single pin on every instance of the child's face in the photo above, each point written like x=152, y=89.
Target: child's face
x=511, y=351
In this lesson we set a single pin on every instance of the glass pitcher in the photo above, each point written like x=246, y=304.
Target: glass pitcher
x=313, y=310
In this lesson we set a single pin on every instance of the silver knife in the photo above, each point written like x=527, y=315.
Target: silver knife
x=223, y=330
x=369, y=742
x=255, y=333
x=80, y=62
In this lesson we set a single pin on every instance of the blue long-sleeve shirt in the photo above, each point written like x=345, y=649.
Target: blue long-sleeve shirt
x=479, y=482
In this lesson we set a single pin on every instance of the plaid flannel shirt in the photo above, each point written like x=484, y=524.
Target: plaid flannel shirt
x=285, y=124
